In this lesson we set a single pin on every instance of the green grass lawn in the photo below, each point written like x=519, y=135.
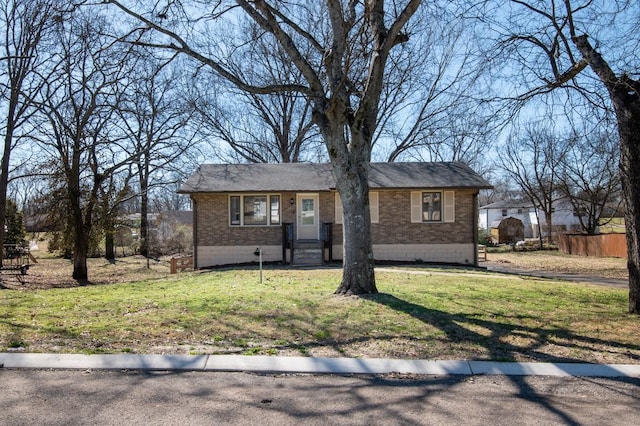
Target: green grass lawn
x=427, y=315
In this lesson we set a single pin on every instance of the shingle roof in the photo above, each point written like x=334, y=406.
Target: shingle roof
x=445, y=175
x=507, y=204
x=319, y=177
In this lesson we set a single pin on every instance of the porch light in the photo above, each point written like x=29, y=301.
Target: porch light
x=292, y=201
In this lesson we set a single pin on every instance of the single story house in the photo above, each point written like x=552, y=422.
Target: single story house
x=291, y=212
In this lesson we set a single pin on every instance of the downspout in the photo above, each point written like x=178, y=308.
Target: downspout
x=194, y=210
x=476, y=213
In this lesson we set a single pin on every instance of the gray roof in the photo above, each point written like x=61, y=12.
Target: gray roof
x=298, y=177
x=508, y=204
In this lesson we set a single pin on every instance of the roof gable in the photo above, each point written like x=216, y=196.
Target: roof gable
x=299, y=177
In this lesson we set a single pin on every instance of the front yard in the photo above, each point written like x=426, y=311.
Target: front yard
x=421, y=313
x=555, y=261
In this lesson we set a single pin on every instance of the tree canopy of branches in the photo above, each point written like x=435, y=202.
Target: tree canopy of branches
x=430, y=109
x=588, y=49
x=155, y=116
x=24, y=27
x=341, y=50
x=533, y=160
x=590, y=179
x=78, y=101
x=259, y=128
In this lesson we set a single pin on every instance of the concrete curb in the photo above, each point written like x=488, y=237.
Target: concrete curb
x=275, y=364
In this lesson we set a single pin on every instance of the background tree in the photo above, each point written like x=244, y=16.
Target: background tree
x=155, y=116
x=25, y=24
x=14, y=224
x=341, y=50
x=259, y=128
x=590, y=179
x=589, y=49
x=466, y=135
x=532, y=159
x=430, y=109
x=111, y=196
x=81, y=93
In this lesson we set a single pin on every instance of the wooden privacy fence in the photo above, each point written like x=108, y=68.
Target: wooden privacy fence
x=180, y=264
x=603, y=245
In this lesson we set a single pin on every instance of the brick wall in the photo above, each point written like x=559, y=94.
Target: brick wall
x=394, y=226
x=212, y=218
x=213, y=221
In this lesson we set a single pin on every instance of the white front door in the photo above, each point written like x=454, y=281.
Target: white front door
x=307, y=216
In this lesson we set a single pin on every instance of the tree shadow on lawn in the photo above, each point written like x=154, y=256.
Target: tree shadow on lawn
x=453, y=325
x=458, y=328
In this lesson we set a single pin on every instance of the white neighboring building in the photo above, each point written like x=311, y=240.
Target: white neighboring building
x=492, y=214
x=563, y=216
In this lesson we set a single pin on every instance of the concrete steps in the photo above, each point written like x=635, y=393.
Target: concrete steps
x=307, y=253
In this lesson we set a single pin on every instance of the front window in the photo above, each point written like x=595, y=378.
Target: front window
x=431, y=206
x=254, y=210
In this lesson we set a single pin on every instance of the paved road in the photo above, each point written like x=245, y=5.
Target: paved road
x=63, y=397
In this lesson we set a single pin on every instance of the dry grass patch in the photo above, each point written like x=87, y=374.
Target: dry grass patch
x=51, y=272
x=554, y=261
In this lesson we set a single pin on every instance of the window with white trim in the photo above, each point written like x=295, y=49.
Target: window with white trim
x=254, y=210
x=374, y=211
x=432, y=206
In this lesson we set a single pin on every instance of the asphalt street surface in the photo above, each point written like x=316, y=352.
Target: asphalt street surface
x=107, y=397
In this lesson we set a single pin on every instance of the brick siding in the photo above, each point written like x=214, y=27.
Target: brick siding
x=394, y=225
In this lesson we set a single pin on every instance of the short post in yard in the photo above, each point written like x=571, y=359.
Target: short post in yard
x=258, y=253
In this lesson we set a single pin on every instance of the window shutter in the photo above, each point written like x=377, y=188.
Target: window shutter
x=416, y=206
x=449, y=206
x=338, y=209
x=373, y=206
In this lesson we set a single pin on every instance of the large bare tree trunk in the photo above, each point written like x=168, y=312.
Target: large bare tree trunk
x=625, y=96
x=629, y=127
x=350, y=164
x=80, y=235
x=358, y=273
x=80, y=248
